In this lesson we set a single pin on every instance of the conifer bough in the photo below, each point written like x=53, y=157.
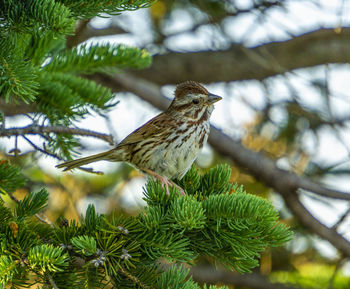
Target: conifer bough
x=215, y=219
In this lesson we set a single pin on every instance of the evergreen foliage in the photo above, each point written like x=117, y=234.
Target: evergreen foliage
x=36, y=66
x=230, y=226
x=32, y=204
x=10, y=177
x=215, y=219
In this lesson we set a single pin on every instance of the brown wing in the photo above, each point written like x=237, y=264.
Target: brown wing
x=153, y=128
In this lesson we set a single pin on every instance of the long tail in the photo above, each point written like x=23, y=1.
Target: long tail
x=83, y=161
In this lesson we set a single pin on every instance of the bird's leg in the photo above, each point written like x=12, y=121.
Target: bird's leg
x=181, y=190
x=165, y=182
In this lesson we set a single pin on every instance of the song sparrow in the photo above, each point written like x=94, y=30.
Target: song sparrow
x=167, y=145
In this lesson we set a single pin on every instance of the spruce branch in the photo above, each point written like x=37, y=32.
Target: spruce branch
x=32, y=204
x=79, y=93
x=85, y=245
x=18, y=79
x=26, y=15
x=41, y=130
x=11, y=177
x=96, y=58
x=43, y=220
x=88, y=9
x=37, y=68
x=238, y=227
x=48, y=258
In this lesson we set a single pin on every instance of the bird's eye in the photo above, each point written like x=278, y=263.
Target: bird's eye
x=195, y=101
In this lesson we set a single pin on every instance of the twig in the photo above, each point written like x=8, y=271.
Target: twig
x=13, y=198
x=15, y=150
x=14, y=108
x=3, y=121
x=52, y=282
x=79, y=29
x=45, y=221
x=37, y=129
x=45, y=151
x=336, y=269
x=110, y=127
x=133, y=278
x=341, y=219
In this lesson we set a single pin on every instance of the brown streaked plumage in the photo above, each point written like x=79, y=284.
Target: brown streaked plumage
x=190, y=87
x=167, y=145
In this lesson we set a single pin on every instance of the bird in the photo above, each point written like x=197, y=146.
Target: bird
x=166, y=146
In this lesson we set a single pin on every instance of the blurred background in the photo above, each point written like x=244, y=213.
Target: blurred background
x=282, y=70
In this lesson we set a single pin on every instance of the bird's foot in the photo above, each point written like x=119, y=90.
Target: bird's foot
x=165, y=182
x=181, y=190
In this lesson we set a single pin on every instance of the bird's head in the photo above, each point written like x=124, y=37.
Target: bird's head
x=193, y=100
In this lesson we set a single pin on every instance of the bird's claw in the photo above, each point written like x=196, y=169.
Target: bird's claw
x=165, y=182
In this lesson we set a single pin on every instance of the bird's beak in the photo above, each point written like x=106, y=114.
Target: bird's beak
x=212, y=98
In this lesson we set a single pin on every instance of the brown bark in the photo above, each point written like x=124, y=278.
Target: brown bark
x=239, y=63
x=41, y=130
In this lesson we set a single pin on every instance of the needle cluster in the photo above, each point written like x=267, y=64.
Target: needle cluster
x=216, y=219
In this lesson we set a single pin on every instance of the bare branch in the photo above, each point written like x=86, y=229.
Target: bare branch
x=85, y=31
x=36, y=129
x=307, y=220
x=73, y=40
x=10, y=108
x=132, y=277
x=55, y=156
x=341, y=219
x=240, y=63
x=338, y=266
